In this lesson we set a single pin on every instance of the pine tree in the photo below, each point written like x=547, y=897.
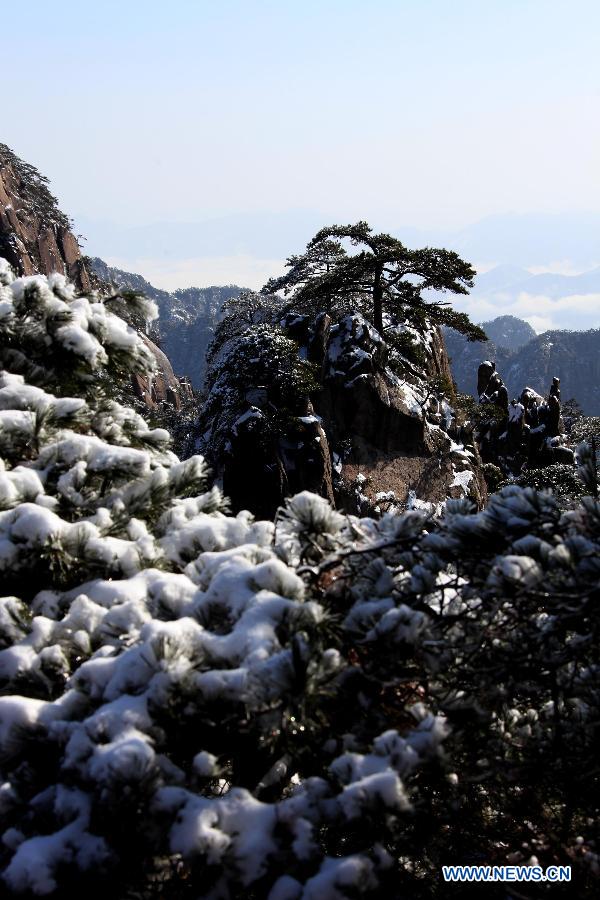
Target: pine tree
x=381, y=277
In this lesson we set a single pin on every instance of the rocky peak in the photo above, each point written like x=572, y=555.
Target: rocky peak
x=35, y=236
x=509, y=332
x=375, y=429
x=572, y=356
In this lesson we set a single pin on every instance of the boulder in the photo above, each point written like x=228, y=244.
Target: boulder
x=384, y=427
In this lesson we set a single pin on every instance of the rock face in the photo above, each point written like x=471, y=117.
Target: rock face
x=369, y=438
x=572, y=356
x=362, y=399
x=390, y=434
x=163, y=386
x=34, y=235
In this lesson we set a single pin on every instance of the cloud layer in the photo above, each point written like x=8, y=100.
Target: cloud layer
x=241, y=269
x=573, y=311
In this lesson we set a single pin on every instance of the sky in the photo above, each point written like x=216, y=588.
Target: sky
x=428, y=115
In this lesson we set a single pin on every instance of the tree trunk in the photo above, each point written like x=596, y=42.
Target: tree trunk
x=378, y=301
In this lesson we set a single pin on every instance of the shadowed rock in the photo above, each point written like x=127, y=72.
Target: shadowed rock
x=526, y=433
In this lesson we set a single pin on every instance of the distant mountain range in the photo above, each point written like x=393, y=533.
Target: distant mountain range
x=525, y=359
x=547, y=300
x=515, y=280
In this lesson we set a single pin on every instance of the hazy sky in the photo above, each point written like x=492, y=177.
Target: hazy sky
x=428, y=113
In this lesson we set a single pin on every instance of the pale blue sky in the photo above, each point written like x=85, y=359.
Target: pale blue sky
x=426, y=113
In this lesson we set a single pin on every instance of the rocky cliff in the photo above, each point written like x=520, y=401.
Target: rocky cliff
x=373, y=432
x=35, y=236
x=388, y=424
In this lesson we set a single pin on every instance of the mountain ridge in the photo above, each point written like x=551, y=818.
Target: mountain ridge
x=187, y=317
x=571, y=355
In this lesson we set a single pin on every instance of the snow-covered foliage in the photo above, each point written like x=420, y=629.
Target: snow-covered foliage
x=58, y=340
x=410, y=345
x=241, y=312
x=587, y=466
x=200, y=705
x=259, y=357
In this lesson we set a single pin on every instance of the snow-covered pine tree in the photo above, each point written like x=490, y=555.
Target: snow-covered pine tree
x=258, y=355
x=77, y=465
